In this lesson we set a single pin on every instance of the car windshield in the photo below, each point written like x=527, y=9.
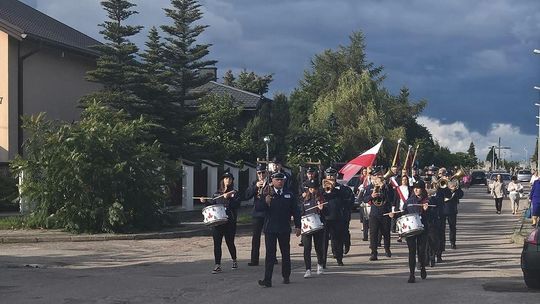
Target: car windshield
x=505, y=177
x=524, y=172
x=478, y=174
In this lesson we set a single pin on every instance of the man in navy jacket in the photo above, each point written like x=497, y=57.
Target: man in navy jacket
x=280, y=206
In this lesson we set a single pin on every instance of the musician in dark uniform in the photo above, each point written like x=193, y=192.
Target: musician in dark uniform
x=336, y=217
x=417, y=203
x=452, y=193
x=434, y=216
x=313, y=204
x=377, y=195
x=363, y=184
x=226, y=196
x=280, y=206
x=279, y=168
x=255, y=191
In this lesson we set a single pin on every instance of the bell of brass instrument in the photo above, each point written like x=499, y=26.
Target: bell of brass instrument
x=442, y=183
x=458, y=174
x=328, y=185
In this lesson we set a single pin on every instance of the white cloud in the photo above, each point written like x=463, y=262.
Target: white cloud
x=457, y=137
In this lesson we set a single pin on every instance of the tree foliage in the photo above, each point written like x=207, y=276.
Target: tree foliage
x=94, y=175
x=248, y=81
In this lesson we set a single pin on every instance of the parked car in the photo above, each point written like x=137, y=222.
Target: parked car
x=530, y=260
x=524, y=175
x=506, y=178
x=478, y=177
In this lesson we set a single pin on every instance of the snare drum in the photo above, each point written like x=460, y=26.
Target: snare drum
x=409, y=225
x=311, y=223
x=215, y=215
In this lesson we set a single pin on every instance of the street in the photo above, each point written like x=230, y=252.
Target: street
x=485, y=268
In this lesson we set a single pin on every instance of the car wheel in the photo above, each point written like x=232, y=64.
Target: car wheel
x=532, y=280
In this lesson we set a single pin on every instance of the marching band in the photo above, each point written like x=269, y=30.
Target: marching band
x=415, y=208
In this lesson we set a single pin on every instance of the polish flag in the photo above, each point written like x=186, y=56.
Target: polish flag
x=365, y=159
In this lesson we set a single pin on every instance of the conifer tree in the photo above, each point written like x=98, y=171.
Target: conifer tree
x=117, y=68
x=183, y=55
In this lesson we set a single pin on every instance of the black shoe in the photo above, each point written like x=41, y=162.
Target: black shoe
x=286, y=281
x=373, y=257
x=411, y=279
x=388, y=252
x=423, y=273
x=439, y=259
x=453, y=246
x=347, y=248
x=301, y=244
x=399, y=240
x=253, y=264
x=340, y=263
x=365, y=239
x=264, y=283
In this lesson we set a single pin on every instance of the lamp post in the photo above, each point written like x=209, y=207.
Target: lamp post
x=526, y=156
x=266, y=140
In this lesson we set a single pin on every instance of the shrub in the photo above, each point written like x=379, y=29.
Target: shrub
x=100, y=174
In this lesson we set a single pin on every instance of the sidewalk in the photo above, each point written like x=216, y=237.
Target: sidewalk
x=190, y=226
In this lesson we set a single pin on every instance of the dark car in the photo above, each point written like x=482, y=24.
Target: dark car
x=530, y=260
x=478, y=177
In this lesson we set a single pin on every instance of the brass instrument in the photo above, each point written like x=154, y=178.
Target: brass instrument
x=444, y=182
x=328, y=185
x=458, y=175
x=389, y=173
x=377, y=201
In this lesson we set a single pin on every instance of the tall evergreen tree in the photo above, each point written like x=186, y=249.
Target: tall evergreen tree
x=228, y=78
x=183, y=55
x=117, y=68
x=471, y=151
x=166, y=115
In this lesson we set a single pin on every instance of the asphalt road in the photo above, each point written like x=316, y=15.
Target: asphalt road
x=483, y=269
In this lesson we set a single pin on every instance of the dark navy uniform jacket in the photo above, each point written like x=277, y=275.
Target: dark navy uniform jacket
x=451, y=200
x=278, y=214
x=386, y=198
x=252, y=191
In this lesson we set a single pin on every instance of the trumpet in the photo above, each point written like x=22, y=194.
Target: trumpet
x=328, y=185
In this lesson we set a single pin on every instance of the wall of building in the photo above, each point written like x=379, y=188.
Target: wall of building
x=4, y=96
x=54, y=81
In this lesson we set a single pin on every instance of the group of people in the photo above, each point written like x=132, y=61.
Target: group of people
x=388, y=199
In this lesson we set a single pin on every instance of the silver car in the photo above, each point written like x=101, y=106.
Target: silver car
x=524, y=175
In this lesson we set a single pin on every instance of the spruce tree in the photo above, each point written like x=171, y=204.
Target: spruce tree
x=117, y=68
x=184, y=57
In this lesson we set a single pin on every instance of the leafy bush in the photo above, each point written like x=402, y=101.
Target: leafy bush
x=8, y=194
x=97, y=175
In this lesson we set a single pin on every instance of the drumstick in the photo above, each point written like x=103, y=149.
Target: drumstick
x=212, y=198
x=421, y=205
x=315, y=206
x=392, y=212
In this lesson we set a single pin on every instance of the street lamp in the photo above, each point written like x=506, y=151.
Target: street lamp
x=526, y=156
x=266, y=140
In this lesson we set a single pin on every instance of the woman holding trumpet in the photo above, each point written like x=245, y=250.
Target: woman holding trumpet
x=226, y=196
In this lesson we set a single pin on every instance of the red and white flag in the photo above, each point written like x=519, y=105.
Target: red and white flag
x=365, y=159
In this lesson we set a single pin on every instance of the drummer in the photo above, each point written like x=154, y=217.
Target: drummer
x=417, y=203
x=226, y=196
x=402, y=194
x=313, y=204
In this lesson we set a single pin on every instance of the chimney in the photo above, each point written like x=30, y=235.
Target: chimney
x=210, y=72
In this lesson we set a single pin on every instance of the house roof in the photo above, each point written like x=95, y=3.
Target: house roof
x=22, y=21
x=249, y=100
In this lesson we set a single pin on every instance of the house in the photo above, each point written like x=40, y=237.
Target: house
x=43, y=63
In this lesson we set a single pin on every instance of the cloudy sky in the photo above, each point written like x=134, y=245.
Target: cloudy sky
x=472, y=61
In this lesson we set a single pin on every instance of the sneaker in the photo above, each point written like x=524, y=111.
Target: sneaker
x=307, y=274
x=388, y=253
x=217, y=269
x=399, y=240
x=234, y=265
x=373, y=257
x=320, y=269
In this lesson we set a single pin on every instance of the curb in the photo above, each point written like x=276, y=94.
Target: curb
x=200, y=231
